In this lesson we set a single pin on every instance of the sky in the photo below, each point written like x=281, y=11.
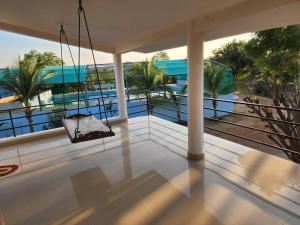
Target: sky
x=13, y=45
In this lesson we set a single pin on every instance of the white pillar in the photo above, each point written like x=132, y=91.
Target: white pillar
x=195, y=44
x=119, y=79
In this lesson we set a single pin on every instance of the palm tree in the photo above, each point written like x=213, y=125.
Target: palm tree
x=24, y=81
x=147, y=76
x=176, y=98
x=215, y=83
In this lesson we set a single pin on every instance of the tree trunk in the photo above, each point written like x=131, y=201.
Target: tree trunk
x=28, y=114
x=149, y=103
x=178, y=112
x=214, y=104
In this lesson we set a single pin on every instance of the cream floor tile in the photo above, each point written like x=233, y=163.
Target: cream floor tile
x=141, y=176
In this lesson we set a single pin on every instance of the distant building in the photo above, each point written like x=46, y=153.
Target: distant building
x=178, y=70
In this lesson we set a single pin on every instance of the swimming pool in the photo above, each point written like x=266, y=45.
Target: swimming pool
x=46, y=119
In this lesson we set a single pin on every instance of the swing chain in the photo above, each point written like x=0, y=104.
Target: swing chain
x=81, y=10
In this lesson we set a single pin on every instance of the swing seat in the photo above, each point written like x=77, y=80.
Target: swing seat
x=90, y=128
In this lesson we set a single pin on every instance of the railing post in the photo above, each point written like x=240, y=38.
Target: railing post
x=12, y=122
x=148, y=107
x=100, y=113
x=128, y=97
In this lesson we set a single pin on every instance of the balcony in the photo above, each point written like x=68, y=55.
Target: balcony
x=142, y=176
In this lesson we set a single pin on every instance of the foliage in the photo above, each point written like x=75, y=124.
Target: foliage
x=289, y=130
x=214, y=83
x=234, y=55
x=42, y=59
x=261, y=88
x=23, y=80
x=276, y=54
x=106, y=76
x=55, y=118
x=161, y=55
x=145, y=76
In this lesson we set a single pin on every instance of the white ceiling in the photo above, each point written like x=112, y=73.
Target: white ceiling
x=143, y=25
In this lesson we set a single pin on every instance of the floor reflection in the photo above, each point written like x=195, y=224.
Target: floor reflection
x=141, y=176
x=151, y=190
x=270, y=174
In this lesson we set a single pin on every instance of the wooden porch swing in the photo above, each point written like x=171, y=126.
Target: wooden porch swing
x=83, y=127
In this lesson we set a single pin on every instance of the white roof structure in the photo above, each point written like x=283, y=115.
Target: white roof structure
x=142, y=25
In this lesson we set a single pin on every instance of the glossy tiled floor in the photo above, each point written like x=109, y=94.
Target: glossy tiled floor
x=141, y=176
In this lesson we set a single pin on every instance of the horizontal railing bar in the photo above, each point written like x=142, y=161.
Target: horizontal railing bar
x=235, y=124
x=241, y=114
x=168, y=116
x=164, y=115
x=69, y=101
x=167, y=108
x=251, y=140
x=59, y=110
x=67, y=110
x=241, y=102
x=252, y=128
x=253, y=116
x=170, y=101
x=245, y=138
x=254, y=104
x=132, y=106
x=35, y=124
x=137, y=112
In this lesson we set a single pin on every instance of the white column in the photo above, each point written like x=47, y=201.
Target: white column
x=195, y=44
x=119, y=79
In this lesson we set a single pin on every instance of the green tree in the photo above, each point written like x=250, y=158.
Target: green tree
x=276, y=54
x=176, y=98
x=23, y=80
x=161, y=55
x=42, y=59
x=215, y=83
x=146, y=76
x=234, y=55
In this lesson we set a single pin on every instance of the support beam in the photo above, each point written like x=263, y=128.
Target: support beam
x=119, y=79
x=195, y=94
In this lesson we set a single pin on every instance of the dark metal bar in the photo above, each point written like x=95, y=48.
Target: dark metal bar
x=70, y=101
x=137, y=112
x=133, y=106
x=235, y=124
x=12, y=122
x=148, y=104
x=251, y=140
x=100, y=108
x=242, y=103
x=254, y=104
x=254, y=116
x=165, y=115
x=252, y=128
